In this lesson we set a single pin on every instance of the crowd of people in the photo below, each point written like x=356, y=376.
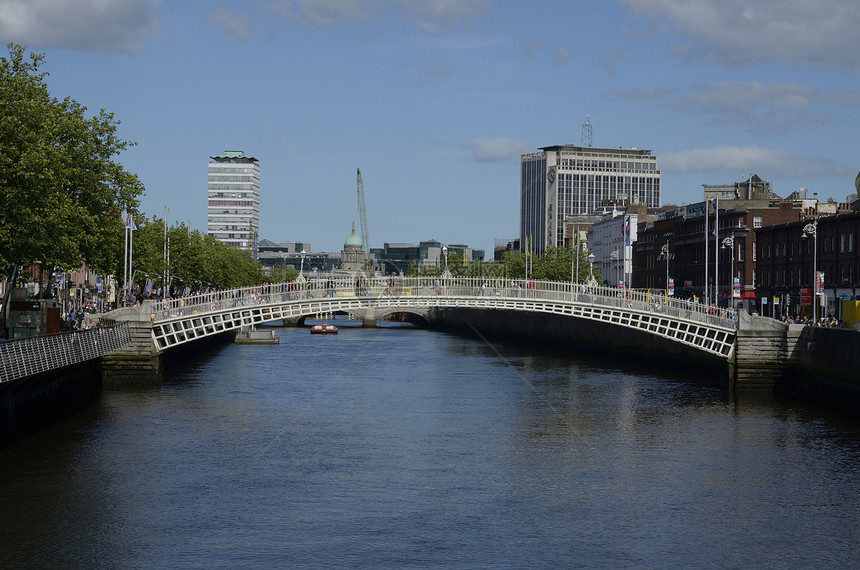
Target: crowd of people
x=830, y=321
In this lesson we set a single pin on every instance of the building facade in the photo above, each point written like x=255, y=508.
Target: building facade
x=563, y=181
x=611, y=240
x=790, y=254
x=704, y=254
x=233, y=215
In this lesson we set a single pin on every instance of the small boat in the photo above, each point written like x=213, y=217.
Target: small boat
x=323, y=329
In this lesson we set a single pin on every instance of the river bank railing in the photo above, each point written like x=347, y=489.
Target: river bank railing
x=29, y=356
x=521, y=289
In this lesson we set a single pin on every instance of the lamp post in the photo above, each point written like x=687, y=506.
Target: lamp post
x=591, y=266
x=302, y=265
x=811, y=229
x=664, y=251
x=445, y=255
x=729, y=243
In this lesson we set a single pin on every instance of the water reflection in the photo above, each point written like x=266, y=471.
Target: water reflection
x=386, y=447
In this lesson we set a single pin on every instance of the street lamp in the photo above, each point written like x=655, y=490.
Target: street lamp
x=664, y=251
x=729, y=243
x=811, y=229
x=591, y=266
x=302, y=266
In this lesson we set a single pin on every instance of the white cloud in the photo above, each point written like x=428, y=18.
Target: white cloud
x=236, y=24
x=435, y=72
x=324, y=13
x=761, y=108
x=497, y=150
x=435, y=16
x=84, y=25
x=563, y=55
x=809, y=32
x=766, y=162
x=608, y=60
x=429, y=16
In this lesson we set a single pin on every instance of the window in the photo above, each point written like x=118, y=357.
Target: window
x=755, y=251
x=741, y=251
x=757, y=221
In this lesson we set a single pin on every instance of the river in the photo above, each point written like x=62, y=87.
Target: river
x=404, y=448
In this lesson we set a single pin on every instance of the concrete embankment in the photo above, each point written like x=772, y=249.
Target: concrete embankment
x=817, y=365
x=31, y=403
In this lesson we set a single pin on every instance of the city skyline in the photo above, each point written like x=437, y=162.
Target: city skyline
x=436, y=101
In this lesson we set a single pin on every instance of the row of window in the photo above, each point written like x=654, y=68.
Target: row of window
x=842, y=274
x=805, y=245
x=608, y=165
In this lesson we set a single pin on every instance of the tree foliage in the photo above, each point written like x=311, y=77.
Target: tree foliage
x=556, y=264
x=196, y=260
x=62, y=192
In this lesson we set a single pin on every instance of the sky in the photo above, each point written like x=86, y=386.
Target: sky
x=436, y=100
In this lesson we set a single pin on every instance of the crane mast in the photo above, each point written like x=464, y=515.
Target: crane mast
x=362, y=215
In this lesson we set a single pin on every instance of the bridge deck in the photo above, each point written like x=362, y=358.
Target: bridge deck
x=182, y=320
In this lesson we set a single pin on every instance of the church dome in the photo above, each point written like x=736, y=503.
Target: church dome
x=353, y=239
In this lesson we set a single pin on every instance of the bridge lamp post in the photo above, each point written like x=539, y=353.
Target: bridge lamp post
x=811, y=229
x=445, y=255
x=591, y=265
x=729, y=243
x=664, y=251
x=302, y=265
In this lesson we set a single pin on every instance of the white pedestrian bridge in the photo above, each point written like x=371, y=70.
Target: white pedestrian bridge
x=186, y=319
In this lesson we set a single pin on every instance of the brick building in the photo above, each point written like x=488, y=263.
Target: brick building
x=785, y=264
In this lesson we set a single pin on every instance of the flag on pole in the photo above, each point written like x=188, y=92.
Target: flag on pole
x=714, y=231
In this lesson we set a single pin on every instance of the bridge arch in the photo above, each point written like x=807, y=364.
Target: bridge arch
x=184, y=320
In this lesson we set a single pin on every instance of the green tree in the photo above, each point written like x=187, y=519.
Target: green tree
x=555, y=264
x=62, y=192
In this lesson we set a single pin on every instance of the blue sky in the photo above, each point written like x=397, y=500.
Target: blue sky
x=435, y=100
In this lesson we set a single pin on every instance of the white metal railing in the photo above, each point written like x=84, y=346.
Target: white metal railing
x=323, y=287
x=28, y=356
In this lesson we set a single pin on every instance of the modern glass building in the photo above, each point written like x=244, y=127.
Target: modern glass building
x=234, y=199
x=568, y=180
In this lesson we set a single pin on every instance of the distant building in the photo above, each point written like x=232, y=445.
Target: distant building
x=564, y=181
x=234, y=200
x=674, y=245
x=352, y=256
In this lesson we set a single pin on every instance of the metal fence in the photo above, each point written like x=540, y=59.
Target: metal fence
x=25, y=357
x=445, y=286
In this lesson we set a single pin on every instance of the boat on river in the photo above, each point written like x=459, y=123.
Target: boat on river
x=323, y=329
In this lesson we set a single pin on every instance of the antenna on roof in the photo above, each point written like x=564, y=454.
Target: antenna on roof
x=587, y=129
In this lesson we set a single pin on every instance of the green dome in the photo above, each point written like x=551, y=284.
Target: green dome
x=353, y=240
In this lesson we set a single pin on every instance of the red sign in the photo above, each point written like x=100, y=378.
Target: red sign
x=806, y=296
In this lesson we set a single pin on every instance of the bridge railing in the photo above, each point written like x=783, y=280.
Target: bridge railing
x=29, y=356
x=519, y=289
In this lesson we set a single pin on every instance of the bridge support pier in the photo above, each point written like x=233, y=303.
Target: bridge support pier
x=766, y=353
x=139, y=364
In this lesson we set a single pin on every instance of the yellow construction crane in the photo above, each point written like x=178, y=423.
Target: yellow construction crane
x=362, y=216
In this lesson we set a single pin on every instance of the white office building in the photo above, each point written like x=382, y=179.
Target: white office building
x=568, y=180
x=234, y=199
